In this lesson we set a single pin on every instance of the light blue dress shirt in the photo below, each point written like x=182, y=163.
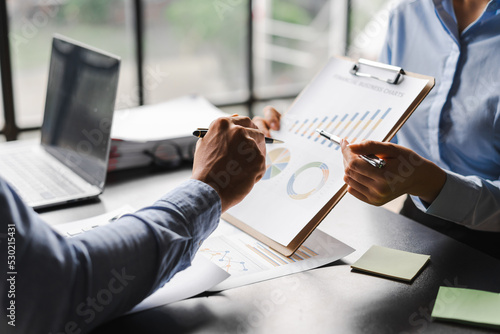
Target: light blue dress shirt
x=458, y=125
x=73, y=285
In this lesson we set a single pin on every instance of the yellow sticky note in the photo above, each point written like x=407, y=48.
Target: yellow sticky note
x=391, y=263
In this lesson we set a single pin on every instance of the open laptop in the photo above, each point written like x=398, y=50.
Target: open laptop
x=70, y=163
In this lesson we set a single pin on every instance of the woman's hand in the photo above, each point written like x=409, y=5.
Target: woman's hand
x=270, y=121
x=405, y=172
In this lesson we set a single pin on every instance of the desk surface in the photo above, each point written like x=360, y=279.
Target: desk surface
x=331, y=299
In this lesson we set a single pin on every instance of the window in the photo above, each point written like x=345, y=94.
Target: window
x=293, y=40
x=102, y=24
x=369, y=20
x=195, y=47
x=240, y=54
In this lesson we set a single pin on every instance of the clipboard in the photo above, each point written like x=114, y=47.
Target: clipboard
x=355, y=83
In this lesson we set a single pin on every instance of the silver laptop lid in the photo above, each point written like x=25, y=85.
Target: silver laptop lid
x=79, y=107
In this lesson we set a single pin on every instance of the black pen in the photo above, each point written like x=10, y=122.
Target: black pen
x=371, y=159
x=201, y=132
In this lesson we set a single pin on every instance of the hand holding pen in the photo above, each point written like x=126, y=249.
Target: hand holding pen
x=201, y=132
x=405, y=172
x=370, y=158
x=229, y=169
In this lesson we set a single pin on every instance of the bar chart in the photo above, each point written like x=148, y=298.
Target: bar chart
x=352, y=126
x=275, y=258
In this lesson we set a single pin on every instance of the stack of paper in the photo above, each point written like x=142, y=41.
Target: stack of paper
x=160, y=133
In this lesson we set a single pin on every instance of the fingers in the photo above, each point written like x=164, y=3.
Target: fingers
x=262, y=125
x=272, y=118
x=270, y=121
x=258, y=137
x=363, y=180
x=352, y=178
x=357, y=194
x=243, y=121
x=353, y=164
x=374, y=147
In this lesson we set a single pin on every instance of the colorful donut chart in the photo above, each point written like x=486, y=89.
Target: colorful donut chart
x=325, y=172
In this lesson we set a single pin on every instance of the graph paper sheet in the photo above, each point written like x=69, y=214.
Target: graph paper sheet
x=306, y=172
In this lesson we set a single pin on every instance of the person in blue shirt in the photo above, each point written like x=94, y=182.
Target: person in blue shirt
x=447, y=155
x=71, y=285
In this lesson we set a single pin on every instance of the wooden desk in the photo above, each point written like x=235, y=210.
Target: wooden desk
x=331, y=299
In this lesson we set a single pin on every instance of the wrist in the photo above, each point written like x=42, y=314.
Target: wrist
x=431, y=181
x=215, y=186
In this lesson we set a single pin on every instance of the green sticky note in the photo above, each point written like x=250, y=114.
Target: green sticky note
x=391, y=263
x=468, y=306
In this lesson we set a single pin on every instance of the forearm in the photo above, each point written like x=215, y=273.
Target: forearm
x=79, y=283
x=467, y=200
x=146, y=249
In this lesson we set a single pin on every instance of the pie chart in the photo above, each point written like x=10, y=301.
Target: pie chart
x=276, y=162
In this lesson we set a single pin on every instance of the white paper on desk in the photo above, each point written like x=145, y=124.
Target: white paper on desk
x=169, y=120
x=81, y=226
x=249, y=261
x=305, y=172
x=199, y=277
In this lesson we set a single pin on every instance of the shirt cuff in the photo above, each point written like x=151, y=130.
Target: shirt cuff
x=455, y=201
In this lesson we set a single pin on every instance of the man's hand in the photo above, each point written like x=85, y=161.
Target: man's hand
x=230, y=158
x=405, y=172
x=271, y=121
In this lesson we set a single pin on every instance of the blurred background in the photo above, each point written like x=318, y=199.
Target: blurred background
x=240, y=54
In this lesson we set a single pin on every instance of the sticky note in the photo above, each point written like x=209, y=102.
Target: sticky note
x=467, y=306
x=391, y=263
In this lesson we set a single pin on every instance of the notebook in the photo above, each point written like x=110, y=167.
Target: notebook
x=70, y=162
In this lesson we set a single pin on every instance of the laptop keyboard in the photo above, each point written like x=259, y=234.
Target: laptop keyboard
x=35, y=179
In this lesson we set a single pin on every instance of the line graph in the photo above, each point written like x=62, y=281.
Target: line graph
x=243, y=255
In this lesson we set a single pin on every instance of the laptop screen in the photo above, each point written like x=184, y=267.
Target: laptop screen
x=79, y=108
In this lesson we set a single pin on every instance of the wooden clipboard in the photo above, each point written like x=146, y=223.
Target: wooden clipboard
x=363, y=68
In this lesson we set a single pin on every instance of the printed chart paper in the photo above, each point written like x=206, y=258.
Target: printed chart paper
x=305, y=172
x=248, y=260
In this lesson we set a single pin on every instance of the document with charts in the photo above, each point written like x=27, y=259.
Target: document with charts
x=304, y=176
x=248, y=261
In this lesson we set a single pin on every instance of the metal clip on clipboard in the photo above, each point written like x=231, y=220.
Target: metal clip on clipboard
x=398, y=71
